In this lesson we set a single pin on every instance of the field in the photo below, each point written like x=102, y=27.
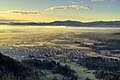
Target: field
x=38, y=35
x=60, y=36
x=80, y=71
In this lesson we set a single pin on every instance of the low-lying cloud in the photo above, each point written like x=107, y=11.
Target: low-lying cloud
x=9, y=20
x=103, y=0
x=68, y=7
x=73, y=3
x=24, y=12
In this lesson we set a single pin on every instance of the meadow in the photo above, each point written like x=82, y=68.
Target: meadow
x=59, y=36
x=37, y=35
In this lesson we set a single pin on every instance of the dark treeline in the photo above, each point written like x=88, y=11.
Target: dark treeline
x=107, y=75
x=14, y=70
x=106, y=68
x=55, y=67
x=11, y=69
x=99, y=63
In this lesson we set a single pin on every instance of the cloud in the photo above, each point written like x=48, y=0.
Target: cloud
x=68, y=7
x=73, y=3
x=103, y=0
x=9, y=20
x=24, y=12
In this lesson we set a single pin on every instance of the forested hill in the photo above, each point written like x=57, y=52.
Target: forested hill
x=68, y=23
x=14, y=70
x=11, y=69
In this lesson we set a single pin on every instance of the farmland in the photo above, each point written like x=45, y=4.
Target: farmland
x=60, y=43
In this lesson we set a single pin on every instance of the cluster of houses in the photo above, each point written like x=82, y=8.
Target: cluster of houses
x=102, y=47
x=54, y=53
x=106, y=48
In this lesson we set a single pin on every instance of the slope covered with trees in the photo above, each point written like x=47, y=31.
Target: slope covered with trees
x=14, y=70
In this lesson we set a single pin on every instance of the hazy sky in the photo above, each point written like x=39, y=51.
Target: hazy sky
x=51, y=10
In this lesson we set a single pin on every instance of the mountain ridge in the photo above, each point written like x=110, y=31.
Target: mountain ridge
x=68, y=23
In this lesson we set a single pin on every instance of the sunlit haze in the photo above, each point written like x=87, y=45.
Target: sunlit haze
x=52, y=10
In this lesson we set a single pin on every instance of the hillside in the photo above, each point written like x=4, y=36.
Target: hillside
x=14, y=70
x=33, y=69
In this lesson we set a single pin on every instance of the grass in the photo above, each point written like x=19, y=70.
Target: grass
x=38, y=35
x=11, y=35
x=50, y=75
x=80, y=71
x=102, y=36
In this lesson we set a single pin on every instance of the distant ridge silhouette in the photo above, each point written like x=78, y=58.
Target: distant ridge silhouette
x=68, y=23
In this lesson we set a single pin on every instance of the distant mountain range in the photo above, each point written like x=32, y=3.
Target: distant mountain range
x=68, y=23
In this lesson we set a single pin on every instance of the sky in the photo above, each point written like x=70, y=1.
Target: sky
x=55, y=10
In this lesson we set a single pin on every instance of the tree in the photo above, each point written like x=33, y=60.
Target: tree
x=55, y=78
